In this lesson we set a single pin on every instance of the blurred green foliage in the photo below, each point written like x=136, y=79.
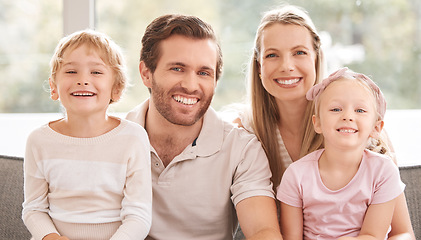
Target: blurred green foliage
x=388, y=30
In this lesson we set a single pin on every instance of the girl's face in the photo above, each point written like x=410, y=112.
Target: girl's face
x=84, y=83
x=347, y=115
x=287, y=61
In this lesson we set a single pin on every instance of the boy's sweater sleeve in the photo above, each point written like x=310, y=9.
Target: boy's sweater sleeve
x=136, y=212
x=35, y=206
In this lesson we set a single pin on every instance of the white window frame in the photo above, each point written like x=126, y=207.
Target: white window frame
x=78, y=15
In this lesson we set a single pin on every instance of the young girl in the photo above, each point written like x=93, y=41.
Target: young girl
x=343, y=191
x=87, y=175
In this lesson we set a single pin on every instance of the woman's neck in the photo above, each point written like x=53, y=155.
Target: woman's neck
x=292, y=116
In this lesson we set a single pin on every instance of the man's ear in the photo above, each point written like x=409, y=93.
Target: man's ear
x=316, y=123
x=145, y=74
x=378, y=127
x=53, y=89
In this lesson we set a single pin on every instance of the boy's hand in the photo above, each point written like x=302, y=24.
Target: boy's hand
x=55, y=236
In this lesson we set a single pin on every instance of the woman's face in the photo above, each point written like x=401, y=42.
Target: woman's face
x=287, y=61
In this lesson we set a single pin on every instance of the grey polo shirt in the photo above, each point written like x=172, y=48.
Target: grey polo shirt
x=194, y=197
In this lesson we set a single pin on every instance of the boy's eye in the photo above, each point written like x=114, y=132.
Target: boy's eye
x=360, y=111
x=96, y=72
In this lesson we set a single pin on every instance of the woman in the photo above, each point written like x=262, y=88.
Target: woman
x=286, y=63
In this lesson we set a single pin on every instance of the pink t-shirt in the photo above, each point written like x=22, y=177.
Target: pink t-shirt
x=331, y=214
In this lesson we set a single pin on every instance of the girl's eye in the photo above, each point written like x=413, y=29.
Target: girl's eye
x=96, y=72
x=71, y=72
x=335, y=110
x=360, y=111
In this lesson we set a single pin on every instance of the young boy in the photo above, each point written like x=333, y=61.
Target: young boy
x=87, y=175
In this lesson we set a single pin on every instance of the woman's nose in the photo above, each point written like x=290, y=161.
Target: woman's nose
x=286, y=64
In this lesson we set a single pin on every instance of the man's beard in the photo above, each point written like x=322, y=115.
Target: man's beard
x=162, y=101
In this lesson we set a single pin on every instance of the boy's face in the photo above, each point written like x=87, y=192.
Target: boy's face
x=84, y=83
x=347, y=115
x=184, y=80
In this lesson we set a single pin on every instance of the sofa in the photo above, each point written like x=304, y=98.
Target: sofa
x=11, y=198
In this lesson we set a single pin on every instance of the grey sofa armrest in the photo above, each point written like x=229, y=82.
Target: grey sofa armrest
x=411, y=176
x=11, y=198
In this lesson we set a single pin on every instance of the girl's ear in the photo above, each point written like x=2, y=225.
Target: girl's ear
x=146, y=74
x=378, y=127
x=316, y=124
x=53, y=89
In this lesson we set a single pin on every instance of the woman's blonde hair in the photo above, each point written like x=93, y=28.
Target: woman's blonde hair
x=107, y=49
x=265, y=114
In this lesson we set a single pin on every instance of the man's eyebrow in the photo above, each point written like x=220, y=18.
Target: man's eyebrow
x=176, y=64
x=208, y=68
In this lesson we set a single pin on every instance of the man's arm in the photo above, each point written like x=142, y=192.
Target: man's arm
x=258, y=218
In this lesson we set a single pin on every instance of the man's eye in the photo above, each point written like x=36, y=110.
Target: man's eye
x=177, y=69
x=202, y=73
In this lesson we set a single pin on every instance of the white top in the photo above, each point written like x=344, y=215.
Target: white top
x=285, y=157
x=97, y=183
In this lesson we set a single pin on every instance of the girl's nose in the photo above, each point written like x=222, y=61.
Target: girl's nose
x=84, y=83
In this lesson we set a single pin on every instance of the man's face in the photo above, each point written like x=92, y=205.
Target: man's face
x=184, y=82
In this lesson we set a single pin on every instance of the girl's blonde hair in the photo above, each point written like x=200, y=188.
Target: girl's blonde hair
x=265, y=112
x=108, y=50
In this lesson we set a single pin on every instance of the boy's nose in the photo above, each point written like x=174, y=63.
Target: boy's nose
x=82, y=83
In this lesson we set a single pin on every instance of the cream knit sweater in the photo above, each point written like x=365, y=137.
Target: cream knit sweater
x=88, y=188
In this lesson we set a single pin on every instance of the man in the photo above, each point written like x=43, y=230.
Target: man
x=205, y=172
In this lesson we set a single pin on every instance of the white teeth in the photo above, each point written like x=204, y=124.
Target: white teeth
x=288, y=82
x=82, y=94
x=347, y=130
x=183, y=100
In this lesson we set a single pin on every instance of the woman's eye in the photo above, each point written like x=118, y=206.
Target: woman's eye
x=270, y=55
x=300, y=53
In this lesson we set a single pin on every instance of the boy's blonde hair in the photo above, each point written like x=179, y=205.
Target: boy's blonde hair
x=106, y=48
